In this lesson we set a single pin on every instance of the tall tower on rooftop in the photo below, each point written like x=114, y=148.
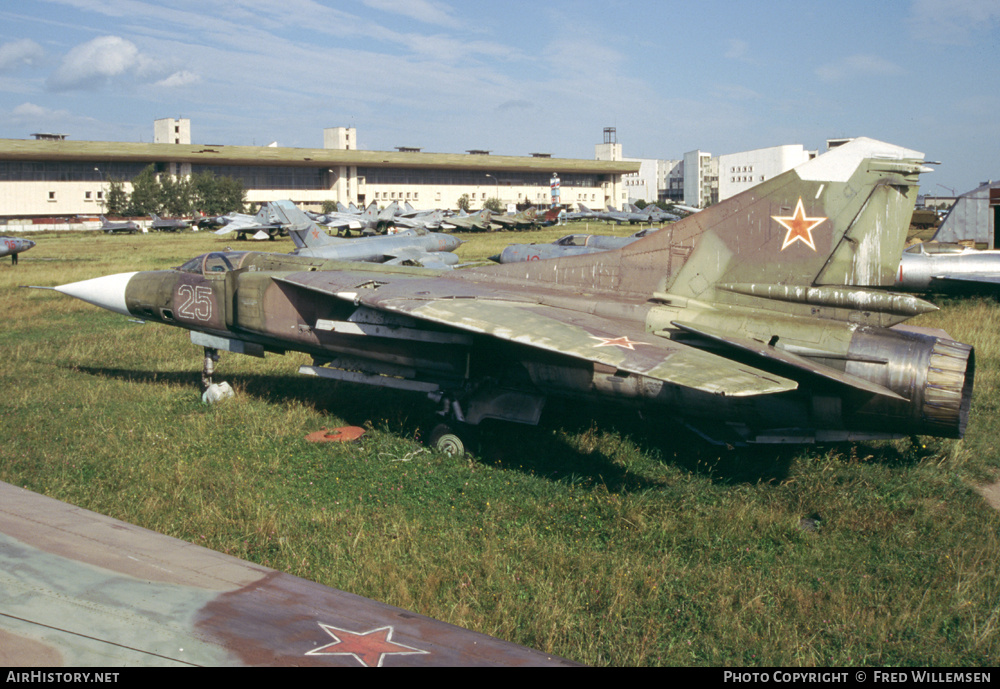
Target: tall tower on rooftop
x=172, y=131
x=340, y=138
x=610, y=149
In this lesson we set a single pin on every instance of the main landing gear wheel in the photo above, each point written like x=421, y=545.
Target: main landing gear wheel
x=449, y=439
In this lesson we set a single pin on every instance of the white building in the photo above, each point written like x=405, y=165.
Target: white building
x=701, y=179
x=654, y=180
x=740, y=171
x=45, y=178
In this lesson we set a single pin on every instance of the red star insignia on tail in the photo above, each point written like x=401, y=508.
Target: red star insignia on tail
x=798, y=226
x=368, y=648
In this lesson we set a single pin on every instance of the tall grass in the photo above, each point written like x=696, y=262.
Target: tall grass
x=608, y=540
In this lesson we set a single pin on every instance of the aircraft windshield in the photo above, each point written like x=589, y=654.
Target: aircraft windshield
x=214, y=262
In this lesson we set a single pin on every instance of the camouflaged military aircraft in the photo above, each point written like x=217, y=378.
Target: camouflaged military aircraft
x=759, y=319
x=524, y=220
x=476, y=222
x=12, y=246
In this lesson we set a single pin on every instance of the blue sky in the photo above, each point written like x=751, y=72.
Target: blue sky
x=516, y=77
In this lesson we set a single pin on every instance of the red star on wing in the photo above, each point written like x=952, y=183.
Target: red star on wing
x=798, y=226
x=623, y=342
x=368, y=648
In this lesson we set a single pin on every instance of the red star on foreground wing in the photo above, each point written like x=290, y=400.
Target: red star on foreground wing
x=798, y=226
x=623, y=342
x=368, y=648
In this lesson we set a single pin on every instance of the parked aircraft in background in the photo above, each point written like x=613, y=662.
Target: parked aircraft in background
x=410, y=247
x=570, y=245
x=521, y=221
x=81, y=589
x=264, y=225
x=12, y=246
x=653, y=214
x=167, y=224
x=948, y=268
x=126, y=227
x=477, y=222
x=429, y=220
x=760, y=320
x=583, y=214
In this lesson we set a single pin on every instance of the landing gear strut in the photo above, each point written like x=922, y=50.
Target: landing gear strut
x=211, y=356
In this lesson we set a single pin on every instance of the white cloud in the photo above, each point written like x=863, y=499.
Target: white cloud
x=425, y=11
x=182, y=78
x=19, y=53
x=97, y=62
x=29, y=114
x=857, y=66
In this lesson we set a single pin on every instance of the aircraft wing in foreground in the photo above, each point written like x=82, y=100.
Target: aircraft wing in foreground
x=760, y=319
x=81, y=589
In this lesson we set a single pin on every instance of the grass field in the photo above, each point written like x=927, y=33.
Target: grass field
x=615, y=541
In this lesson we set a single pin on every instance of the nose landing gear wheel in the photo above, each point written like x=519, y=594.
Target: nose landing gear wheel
x=449, y=440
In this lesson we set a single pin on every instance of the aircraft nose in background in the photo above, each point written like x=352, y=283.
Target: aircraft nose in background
x=108, y=292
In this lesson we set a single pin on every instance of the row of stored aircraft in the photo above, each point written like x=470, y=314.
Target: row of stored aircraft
x=373, y=220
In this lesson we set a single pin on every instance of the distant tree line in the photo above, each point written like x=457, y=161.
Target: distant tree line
x=171, y=195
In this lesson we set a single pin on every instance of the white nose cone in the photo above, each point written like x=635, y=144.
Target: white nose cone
x=107, y=292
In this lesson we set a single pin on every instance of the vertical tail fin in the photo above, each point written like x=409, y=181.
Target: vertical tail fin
x=301, y=228
x=839, y=219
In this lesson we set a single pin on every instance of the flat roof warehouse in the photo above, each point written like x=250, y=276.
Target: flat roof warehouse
x=58, y=177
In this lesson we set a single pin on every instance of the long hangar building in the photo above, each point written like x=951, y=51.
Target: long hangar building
x=49, y=176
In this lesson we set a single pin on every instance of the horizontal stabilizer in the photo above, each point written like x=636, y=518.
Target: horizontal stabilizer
x=785, y=358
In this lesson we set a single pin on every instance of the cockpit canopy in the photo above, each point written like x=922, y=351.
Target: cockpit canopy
x=215, y=262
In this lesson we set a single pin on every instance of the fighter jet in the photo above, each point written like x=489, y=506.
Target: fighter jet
x=12, y=246
x=477, y=222
x=583, y=214
x=570, y=245
x=758, y=320
x=267, y=224
x=167, y=224
x=425, y=220
x=410, y=247
x=653, y=213
x=127, y=227
x=948, y=268
x=521, y=221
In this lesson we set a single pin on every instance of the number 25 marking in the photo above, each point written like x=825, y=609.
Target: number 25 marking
x=197, y=304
